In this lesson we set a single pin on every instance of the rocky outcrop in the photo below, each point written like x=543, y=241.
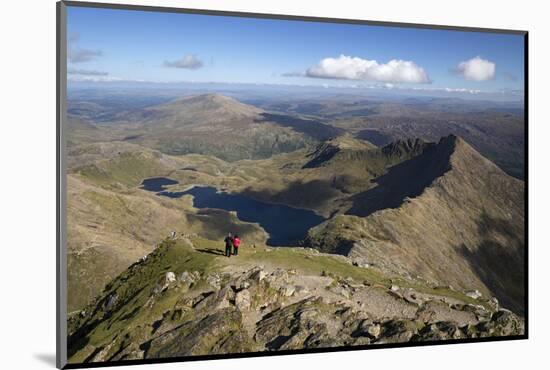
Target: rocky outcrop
x=219, y=332
x=268, y=309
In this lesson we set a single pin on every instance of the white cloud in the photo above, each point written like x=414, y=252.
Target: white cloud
x=353, y=68
x=83, y=55
x=449, y=90
x=293, y=74
x=79, y=55
x=86, y=72
x=94, y=78
x=187, y=62
x=477, y=69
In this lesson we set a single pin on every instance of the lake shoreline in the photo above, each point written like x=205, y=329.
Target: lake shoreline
x=285, y=225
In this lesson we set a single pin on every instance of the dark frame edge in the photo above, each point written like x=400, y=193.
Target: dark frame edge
x=526, y=178
x=309, y=351
x=61, y=260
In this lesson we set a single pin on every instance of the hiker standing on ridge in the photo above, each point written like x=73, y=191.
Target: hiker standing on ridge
x=236, y=243
x=228, y=245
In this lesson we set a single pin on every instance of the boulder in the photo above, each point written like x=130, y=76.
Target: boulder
x=341, y=290
x=187, y=278
x=249, y=278
x=370, y=329
x=493, y=302
x=441, y=330
x=258, y=275
x=475, y=294
x=506, y=323
x=242, y=299
x=288, y=290
x=374, y=330
x=360, y=263
x=111, y=302
x=170, y=277
x=412, y=297
x=397, y=331
x=214, y=281
x=279, y=275
x=216, y=300
x=220, y=332
x=297, y=326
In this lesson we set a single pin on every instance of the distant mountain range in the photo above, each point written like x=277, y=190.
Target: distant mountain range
x=494, y=129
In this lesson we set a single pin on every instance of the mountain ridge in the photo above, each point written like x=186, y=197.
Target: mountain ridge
x=214, y=124
x=456, y=218
x=202, y=109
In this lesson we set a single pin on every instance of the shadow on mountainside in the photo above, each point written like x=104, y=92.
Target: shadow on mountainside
x=500, y=267
x=307, y=194
x=406, y=179
x=315, y=129
x=219, y=224
x=376, y=137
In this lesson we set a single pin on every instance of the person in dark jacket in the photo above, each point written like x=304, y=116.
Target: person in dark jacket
x=228, y=244
x=236, y=244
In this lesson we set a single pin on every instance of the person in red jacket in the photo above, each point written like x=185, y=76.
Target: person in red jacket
x=236, y=244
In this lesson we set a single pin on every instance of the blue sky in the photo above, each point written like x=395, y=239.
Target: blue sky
x=109, y=45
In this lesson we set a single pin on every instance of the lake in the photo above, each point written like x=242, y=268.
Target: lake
x=285, y=225
x=157, y=184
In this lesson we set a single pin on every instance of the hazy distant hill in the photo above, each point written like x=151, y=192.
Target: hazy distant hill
x=498, y=136
x=495, y=129
x=221, y=126
x=448, y=215
x=79, y=130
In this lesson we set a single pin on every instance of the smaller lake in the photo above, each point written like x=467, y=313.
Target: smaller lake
x=157, y=183
x=285, y=225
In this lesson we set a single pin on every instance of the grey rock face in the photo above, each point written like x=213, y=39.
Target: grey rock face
x=187, y=278
x=397, y=331
x=220, y=332
x=214, y=280
x=111, y=302
x=161, y=286
x=242, y=299
x=288, y=290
